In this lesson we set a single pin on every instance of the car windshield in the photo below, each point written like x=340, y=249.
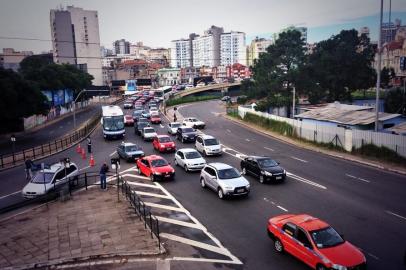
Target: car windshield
x=192, y=155
x=159, y=163
x=228, y=173
x=128, y=117
x=187, y=130
x=41, y=177
x=149, y=130
x=326, y=237
x=211, y=142
x=142, y=125
x=113, y=123
x=267, y=163
x=175, y=125
x=131, y=148
x=165, y=139
x=154, y=114
x=192, y=120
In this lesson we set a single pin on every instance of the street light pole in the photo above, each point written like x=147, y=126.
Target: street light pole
x=378, y=71
x=294, y=101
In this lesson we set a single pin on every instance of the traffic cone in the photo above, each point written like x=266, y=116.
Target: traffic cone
x=83, y=153
x=91, y=162
x=78, y=149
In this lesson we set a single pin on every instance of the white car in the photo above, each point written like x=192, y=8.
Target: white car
x=201, y=84
x=148, y=133
x=173, y=127
x=49, y=178
x=153, y=111
x=224, y=180
x=189, y=159
x=189, y=86
x=193, y=123
x=128, y=105
x=208, y=145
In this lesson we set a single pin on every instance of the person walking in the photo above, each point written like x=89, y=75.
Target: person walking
x=103, y=170
x=174, y=117
x=89, y=145
x=28, y=169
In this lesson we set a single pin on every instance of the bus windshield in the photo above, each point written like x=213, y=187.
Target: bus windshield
x=113, y=123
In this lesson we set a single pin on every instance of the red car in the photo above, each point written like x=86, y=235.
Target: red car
x=314, y=242
x=163, y=143
x=155, y=167
x=155, y=119
x=128, y=120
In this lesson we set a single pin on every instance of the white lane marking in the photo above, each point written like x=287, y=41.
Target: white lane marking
x=301, y=179
x=113, y=153
x=302, y=160
x=142, y=185
x=394, y=214
x=135, y=176
x=5, y=196
x=130, y=169
x=178, y=222
x=194, y=243
x=157, y=205
x=214, y=239
x=228, y=130
x=201, y=260
x=280, y=207
x=373, y=256
x=84, y=168
x=151, y=194
x=270, y=149
x=357, y=178
x=161, y=125
x=248, y=140
x=240, y=156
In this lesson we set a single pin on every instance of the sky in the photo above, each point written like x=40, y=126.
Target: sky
x=157, y=22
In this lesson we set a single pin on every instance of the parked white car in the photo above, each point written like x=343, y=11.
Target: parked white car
x=148, y=133
x=173, y=127
x=208, y=145
x=189, y=159
x=193, y=122
x=224, y=179
x=50, y=178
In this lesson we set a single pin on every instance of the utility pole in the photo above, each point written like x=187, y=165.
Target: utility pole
x=378, y=71
x=294, y=102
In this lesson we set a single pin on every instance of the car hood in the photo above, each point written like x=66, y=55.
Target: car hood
x=213, y=147
x=153, y=134
x=189, y=134
x=154, y=118
x=138, y=152
x=275, y=169
x=167, y=144
x=196, y=161
x=234, y=182
x=164, y=169
x=345, y=254
x=198, y=123
x=37, y=188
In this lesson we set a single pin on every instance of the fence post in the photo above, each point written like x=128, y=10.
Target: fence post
x=33, y=151
x=70, y=190
x=24, y=154
x=14, y=161
x=86, y=180
x=150, y=223
x=49, y=147
x=144, y=215
x=157, y=234
x=42, y=149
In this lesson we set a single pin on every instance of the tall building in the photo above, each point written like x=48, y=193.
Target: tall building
x=76, y=40
x=203, y=51
x=232, y=48
x=389, y=30
x=180, y=53
x=257, y=46
x=121, y=47
x=10, y=59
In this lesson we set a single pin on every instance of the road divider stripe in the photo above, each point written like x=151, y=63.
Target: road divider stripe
x=143, y=193
x=166, y=207
x=11, y=194
x=270, y=149
x=135, y=176
x=301, y=160
x=113, y=153
x=181, y=223
x=142, y=185
x=357, y=178
x=394, y=214
x=301, y=179
x=283, y=209
x=190, y=259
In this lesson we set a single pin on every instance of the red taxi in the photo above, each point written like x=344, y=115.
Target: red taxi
x=163, y=143
x=155, y=119
x=155, y=167
x=128, y=120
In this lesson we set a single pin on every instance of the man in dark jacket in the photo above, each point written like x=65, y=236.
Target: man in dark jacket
x=89, y=145
x=103, y=171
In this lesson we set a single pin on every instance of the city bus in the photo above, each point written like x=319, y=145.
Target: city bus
x=112, y=122
x=162, y=92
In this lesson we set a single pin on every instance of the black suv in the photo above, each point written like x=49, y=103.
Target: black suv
x=265, y=168
x=186, y=134
x=138, y=127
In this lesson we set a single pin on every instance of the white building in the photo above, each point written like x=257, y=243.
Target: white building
x=257, y=46
x=203, y=51
x=180, y=53
x=121, y=47
x=169, y=76
x=76, y=40
x=232, y=48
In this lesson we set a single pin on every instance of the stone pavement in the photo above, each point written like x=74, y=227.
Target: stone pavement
x=90, y=225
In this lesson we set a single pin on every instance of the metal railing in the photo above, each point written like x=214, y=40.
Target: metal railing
x=144, y=213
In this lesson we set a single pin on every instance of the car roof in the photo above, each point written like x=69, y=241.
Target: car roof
x=187, y=150
x=308, y=222
x=153, y=157
x=127, y=143
x=148, y=127
x=162, y=136
x=220, y=166
x=204, y=137
x=56, y=167
x=259, y=157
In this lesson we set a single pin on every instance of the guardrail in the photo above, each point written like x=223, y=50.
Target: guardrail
x=11, y=160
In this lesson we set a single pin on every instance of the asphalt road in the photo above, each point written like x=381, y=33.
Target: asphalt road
x=367, y=205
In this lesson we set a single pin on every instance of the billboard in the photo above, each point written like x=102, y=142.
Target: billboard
x=68, y=96
x=58, y=97
x=131, y=85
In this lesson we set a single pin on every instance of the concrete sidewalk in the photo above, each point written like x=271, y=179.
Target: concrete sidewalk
x=90, y=225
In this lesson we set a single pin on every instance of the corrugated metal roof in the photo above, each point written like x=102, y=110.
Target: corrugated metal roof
x=345, y=116
x=398, y=129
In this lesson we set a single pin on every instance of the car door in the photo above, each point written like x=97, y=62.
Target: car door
x=208, y=174
x=59, y=178
x=287, y=237
x=248, y=165
x=304, y=248
x=198, y=144
x=155, y=143
x=255, y=168
x=145, y=167
x=212, y=178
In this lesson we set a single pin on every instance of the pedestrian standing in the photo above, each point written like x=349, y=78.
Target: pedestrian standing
x=174, y=117
x=28, y=169
x=103, y=170
x=89, y=145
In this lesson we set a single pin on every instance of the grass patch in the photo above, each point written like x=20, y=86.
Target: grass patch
x=381, y=153
x=188, y=99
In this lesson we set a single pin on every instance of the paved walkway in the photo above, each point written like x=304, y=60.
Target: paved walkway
x=91, y=224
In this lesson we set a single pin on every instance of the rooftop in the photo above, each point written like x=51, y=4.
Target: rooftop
x=399, y=129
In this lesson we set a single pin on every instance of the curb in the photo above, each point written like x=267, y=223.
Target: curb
x=255, y=129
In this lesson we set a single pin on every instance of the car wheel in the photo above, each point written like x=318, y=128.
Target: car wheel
x=278, y=245
x=321, y=267
x=202, y=183
x=186, y=168
x=261, y=179
x=244, y=171
x=152, y=178
x=220, y=193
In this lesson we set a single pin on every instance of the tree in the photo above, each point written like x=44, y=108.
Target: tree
x=19, y=98
x=395, y=101
x=387, y=74
x=341, y=65
x=276, y=71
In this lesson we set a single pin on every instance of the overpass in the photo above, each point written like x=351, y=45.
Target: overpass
x=211, y=87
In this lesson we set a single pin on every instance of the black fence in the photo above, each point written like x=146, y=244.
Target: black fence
x=144, y=213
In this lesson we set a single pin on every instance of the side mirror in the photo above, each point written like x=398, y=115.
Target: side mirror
x=342, y=236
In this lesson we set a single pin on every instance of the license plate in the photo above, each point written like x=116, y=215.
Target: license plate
x=167, y=149
x=278, y=177
x=240, y=190
x=168, y=175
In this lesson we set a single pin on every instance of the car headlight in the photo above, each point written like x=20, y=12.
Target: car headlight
x=172, y=171
x=339, y=267
x=248, y=186
x=184, y=136
x=267, y=173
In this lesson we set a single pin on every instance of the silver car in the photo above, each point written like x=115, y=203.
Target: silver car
x=189, y=159
x=148, y=133
x=173, y=127
x=224, y=179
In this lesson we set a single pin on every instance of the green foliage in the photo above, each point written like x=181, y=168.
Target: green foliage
x=188, y=99
x=19, y=98
x=242, y=99
x=395, y=101
x=381, y=153
x=270, y=124
x=387, y=74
